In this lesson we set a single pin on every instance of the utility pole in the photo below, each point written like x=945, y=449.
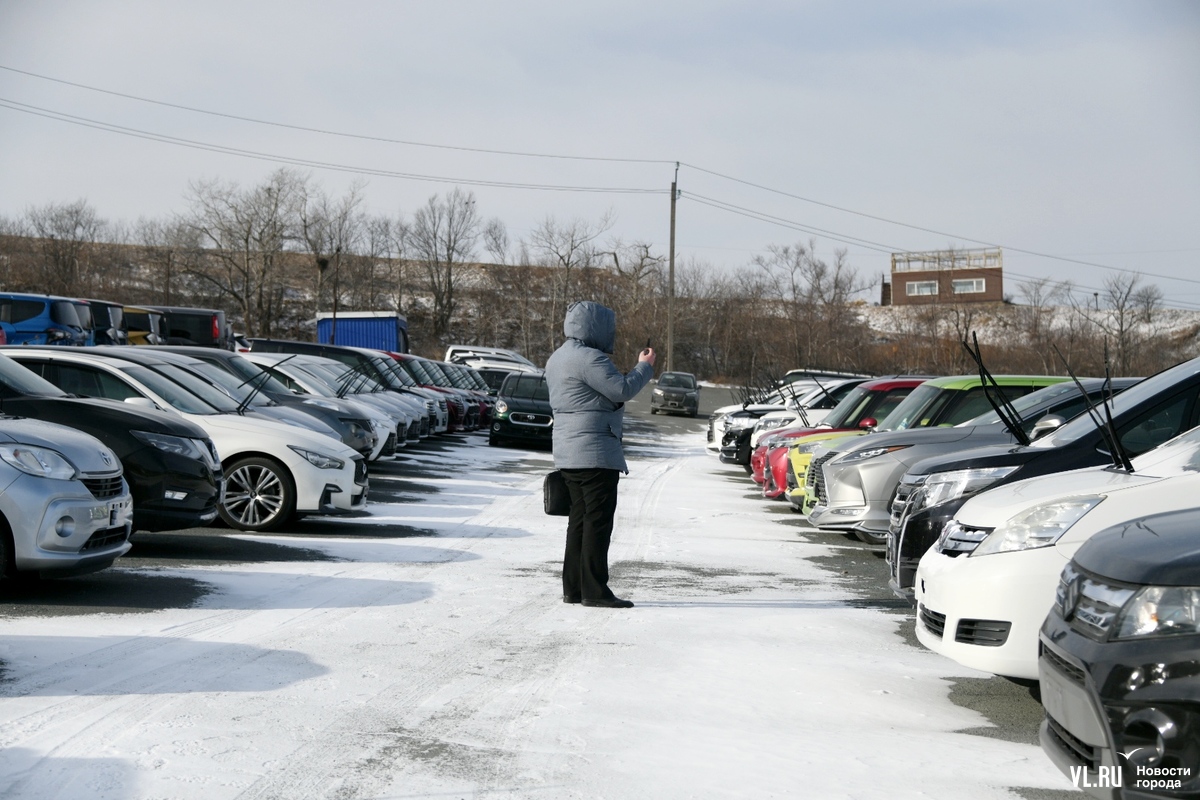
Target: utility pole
x=671, y=280
x=337, y=270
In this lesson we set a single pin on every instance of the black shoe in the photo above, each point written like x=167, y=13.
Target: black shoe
x=569, y=599
x=609, y=602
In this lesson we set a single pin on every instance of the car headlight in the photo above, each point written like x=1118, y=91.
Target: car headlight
x=769, y=424
x=659, y=393
x=874, y=452
x=1040, y=526
x=942, y=487
x=806, y=447
x=1161, y=611
x=501, y=407
x=740, y=423
x=693, y=393
x=179, y=445
x=318, y=460
x=357, y=426
x=40, y=461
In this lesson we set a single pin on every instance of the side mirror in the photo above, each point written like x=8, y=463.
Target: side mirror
x=869, y=424
x=1048, y=423
x=141, y=401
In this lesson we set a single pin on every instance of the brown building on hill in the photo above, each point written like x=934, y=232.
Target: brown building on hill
x=947, y=276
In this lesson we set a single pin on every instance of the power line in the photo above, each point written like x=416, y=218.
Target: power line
x=343, y=134
x=59, y=116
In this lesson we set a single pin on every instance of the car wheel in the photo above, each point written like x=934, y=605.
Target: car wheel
x=872, y=538
x=259, y=495
x=493, y=441
x=692, y=414
x=653, y=410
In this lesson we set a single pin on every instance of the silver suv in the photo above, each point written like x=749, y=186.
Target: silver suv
x=65, y=508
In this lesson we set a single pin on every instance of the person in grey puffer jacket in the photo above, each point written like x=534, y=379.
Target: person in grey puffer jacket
x=587, y=396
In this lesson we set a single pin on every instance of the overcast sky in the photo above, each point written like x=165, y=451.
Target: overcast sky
x=1062, y=128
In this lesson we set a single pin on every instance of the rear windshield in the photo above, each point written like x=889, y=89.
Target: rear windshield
x=84, y=312
x=63, y=312
x=193, y=326
x=526, y=387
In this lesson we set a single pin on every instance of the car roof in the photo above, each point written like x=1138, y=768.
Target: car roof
x=972, y=380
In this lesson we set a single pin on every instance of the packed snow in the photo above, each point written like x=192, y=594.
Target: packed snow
x=444, y=663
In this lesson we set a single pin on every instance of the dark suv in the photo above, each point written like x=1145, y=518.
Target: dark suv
x=522, y=410
x=676, y=393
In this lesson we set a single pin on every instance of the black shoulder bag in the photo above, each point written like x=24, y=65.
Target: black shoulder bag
x=555, y=497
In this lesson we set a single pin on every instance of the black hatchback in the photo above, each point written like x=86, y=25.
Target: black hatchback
x=522, y=410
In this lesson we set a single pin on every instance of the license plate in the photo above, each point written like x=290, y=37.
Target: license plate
x=1069, y=704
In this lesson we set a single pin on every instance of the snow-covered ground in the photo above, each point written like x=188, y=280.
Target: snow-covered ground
x=447, y=665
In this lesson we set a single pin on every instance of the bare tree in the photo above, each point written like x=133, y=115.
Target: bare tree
x=332, y=230
x=65, y=233
x=245, y=233
x=443, y=237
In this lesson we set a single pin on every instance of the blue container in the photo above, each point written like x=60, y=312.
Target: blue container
x=378, y=330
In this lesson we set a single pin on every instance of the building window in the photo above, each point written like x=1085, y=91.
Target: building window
x=917, y=288
x=970, y=286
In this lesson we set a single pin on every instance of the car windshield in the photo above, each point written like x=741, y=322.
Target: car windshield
x=348, y=380
x=17, y=381
x=84, y=312
x=1023, y=404
x=179, y=395
x=912, y=409
x=526, y=387
x=314, y=383
x=1182, y=452
x=253, y=375
x=851, y=408
x=676, y=380
x=237, y=388
x=436, y=376
x=1135, y=395
x=386, y=375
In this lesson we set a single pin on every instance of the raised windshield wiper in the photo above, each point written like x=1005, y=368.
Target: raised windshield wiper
x=1107, y=431
x=1119, y=446
x=1004, y=407
x=254, y=390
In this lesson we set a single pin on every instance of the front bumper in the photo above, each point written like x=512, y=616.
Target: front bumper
x=675, y=404
x=331, y=491
x=992, y=607
x=911, y=538
x=152, y=473
x=98, y=531
x=1095, y=725
x=503, y=427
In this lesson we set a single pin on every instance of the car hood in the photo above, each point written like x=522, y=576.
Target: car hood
x=988, y=509
x=527, y=405
x=98, y=413
x=86, y=452
x=256, y=432
x=983, y=434
x=1159, y=550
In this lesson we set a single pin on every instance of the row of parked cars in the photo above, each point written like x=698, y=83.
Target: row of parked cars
x=38, y=319
x=1042, y=527
x=99, y=442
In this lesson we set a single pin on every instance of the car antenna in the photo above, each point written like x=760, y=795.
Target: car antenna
x=1091, y=409
x=1003, y=408
x=1119, y=448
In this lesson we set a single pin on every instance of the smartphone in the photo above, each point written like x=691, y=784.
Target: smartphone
x=647, y=342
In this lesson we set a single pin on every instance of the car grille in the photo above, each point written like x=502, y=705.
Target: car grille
x=904, y=554
x=523, y=418
x=934, y=622
x=360, y=470
x=814, y=481
x=1062, y=665
x=900, y=503
x=411, y=432
x=1082, y=751
x=102, y=488
x=958, y=539
x=1093, y=604
x=389, y=446
x=105, y=538
x=424, y=426
x=982, y=632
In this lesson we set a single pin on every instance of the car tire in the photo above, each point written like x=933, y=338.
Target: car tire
x=494, y=441
x=867, y=537
x=259, y=494
x=692, y=414
x=653, y=410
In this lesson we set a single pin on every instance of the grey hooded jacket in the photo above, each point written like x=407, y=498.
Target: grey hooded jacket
x=587, y=392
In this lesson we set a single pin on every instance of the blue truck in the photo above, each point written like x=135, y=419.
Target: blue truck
x=378, y=330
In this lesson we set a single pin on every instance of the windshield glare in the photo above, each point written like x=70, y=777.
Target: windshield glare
x=178, y=396
x=911, y=409
x=17, y=381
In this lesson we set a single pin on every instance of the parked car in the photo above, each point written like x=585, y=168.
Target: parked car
x=861, y=476
x=40, y=319
x=461, y=353
x=145, y=326
x=989, y=579
x=464, y=412
x=273, y=471
x=932, y=491
x=109, y=321
x=493, y=373
x=523, y=411
x=675, y=393
x=204, y=327
x=64, y=506
x=356, y=430
x=170, y=464
x=316, y=377
x=1118, y=667
x=87, y=322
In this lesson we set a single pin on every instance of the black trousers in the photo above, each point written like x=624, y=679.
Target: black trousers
x=589, y=530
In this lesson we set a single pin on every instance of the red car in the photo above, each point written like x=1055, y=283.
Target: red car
x=861, y=409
